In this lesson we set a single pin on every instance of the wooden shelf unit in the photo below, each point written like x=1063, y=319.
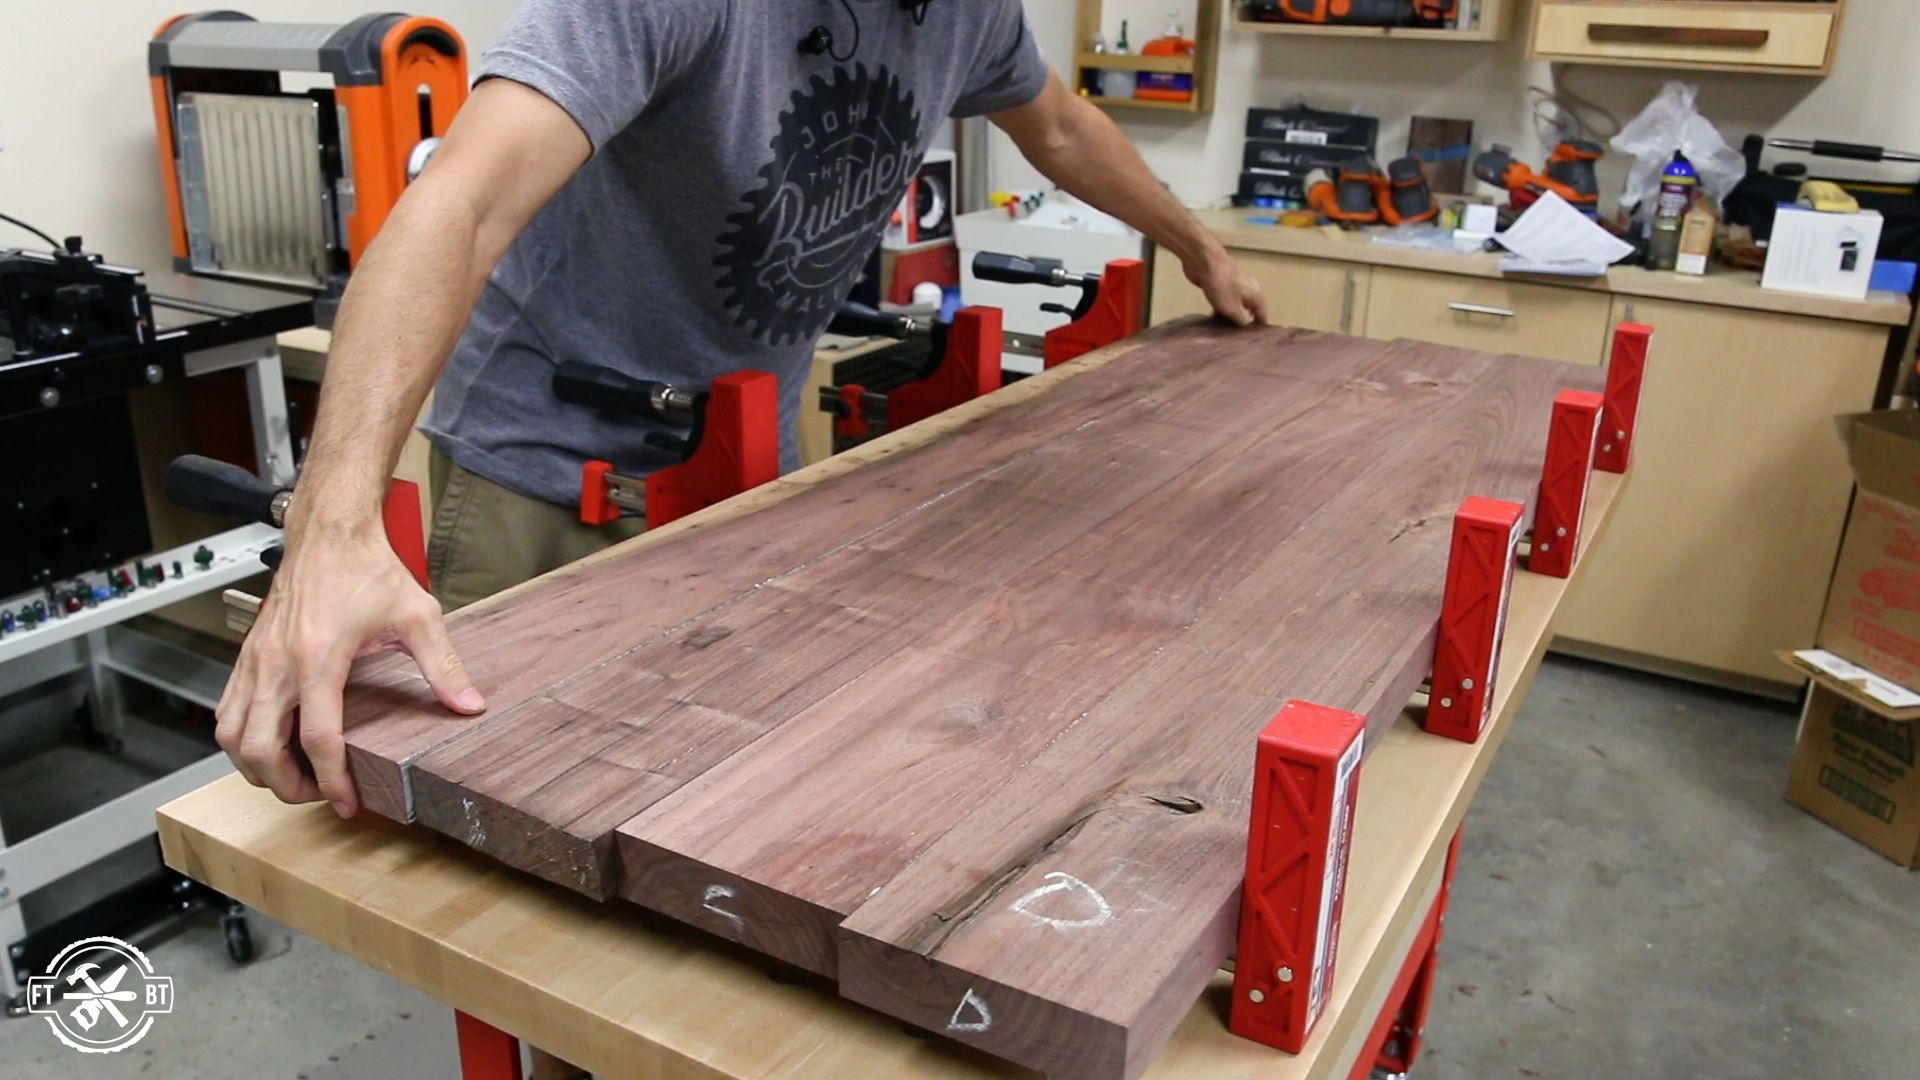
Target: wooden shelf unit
x=1767, y=37
x=1206, y=39
x=1495, y=24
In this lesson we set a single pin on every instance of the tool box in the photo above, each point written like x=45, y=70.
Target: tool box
x=1314, y=127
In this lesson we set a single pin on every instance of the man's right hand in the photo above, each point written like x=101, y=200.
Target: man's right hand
x=334, y=598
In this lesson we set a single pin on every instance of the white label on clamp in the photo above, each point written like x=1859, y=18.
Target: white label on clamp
x=1333, y=876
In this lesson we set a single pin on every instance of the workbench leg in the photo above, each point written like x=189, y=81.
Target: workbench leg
x=486, y=1052
x=104, y=716
x=272, y=430
x=13, y=929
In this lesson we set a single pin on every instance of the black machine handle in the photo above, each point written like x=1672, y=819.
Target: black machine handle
x=1014, y=270
x=579, y=383
x=859, y=320
x=1842, y=150
x=221, y=490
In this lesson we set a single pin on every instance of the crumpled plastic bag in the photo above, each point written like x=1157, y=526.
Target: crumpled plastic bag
x=1670, y=123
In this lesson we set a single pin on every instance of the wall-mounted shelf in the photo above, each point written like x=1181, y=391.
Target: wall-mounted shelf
x=1206, y=39
x=1781, y=37
x=1494, y=23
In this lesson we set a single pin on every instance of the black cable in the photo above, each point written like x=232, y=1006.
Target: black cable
x=855, y=19
x=21, y=224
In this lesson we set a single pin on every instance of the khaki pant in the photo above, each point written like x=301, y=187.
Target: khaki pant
x=485, y=538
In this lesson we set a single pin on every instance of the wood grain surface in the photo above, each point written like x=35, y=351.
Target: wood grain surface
x=971, y=729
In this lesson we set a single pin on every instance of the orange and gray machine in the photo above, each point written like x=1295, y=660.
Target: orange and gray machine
x=283, y=146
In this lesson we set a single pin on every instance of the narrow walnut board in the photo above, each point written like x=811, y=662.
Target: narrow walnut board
x=971, y=730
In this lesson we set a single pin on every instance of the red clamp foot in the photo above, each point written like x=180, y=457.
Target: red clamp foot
x=1118, y=312
x=1473, y=615
x=969, y=368
x=1625, y=372
x=1572, y=439
x=736, y=448
x=1305, y=781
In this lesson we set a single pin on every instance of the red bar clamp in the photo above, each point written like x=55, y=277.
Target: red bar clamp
x=405, y=533
x=1305, y=781
x=1118, y=311
x=1625, y=372
x=1572, y=439
x=969, y=368
x=1473, y=615
x=850, y=420
x=735, y=447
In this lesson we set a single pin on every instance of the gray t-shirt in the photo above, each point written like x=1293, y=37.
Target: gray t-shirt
x=736, y=189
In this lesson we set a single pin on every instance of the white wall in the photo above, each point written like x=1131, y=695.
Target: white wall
x=1871, y=98
x=76, y=117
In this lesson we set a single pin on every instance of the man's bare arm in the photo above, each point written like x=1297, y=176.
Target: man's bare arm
x=340, y=591
x=1075, y=145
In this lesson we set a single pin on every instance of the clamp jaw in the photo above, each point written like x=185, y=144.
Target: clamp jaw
x=1112, y=303
x=733, y=444
x=962, y=363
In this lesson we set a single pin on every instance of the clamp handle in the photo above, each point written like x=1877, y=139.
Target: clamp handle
x=596, y=387
x=1014, y=270
x=226, y=491
x=859, y=320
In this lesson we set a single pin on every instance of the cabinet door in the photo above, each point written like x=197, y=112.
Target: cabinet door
x=1721, y=548
x=1312, y=294
x=1490, y=315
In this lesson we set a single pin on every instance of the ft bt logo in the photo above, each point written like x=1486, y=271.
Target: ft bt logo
x=100, y=995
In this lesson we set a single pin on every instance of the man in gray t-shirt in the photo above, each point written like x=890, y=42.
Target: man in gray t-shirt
x=674, y=188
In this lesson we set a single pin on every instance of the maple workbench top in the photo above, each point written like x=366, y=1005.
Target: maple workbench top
x=630, y=995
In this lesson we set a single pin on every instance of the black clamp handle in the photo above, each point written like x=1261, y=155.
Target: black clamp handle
x=859, y=320
x=1014, y=270
x=225, y=491
x=578, y=383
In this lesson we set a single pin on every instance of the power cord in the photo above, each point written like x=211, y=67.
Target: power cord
x=17, y=223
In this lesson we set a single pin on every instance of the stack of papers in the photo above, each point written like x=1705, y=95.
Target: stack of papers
x=1554, y=238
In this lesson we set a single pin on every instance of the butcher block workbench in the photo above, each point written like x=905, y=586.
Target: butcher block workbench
x=629, y=995
x=1723, y=551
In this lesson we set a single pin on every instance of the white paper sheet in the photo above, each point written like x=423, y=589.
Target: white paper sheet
x=1885, y=691
x=1552, y=233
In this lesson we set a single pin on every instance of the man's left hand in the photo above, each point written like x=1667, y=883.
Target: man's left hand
x=1232, y=291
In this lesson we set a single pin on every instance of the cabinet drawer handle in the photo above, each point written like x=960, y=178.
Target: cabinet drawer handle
x=1482, y=309
x=1625, y=34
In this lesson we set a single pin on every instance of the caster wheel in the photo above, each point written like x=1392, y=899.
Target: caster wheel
x=239, y=937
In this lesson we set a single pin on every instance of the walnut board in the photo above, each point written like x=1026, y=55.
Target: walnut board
x=970, y=730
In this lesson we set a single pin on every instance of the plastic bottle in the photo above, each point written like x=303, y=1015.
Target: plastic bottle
x=1677, y=187
x=1121, y=46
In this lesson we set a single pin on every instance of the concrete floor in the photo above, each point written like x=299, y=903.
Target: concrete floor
x=1634, y=899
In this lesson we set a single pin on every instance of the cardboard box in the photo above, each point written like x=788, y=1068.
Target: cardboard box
x=1293, y=159
x=1301, y=125
x=1854, y=771
x=1823, y=253
x=1273, y=185
x=1873, y=606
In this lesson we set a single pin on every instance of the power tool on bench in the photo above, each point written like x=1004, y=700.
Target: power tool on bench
x=1570, y=174
x=733, y=444
x=1420, y=13
x=1112, y=303
x=68, y=301
x=1350, y=196
x=1406, y=198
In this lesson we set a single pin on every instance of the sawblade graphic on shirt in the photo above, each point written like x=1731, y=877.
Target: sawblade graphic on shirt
x=844, y=154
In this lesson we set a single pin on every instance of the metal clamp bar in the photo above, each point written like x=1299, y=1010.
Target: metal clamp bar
x=1482, y=309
